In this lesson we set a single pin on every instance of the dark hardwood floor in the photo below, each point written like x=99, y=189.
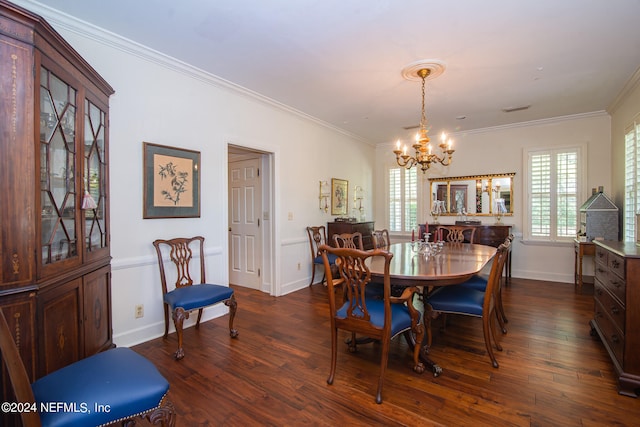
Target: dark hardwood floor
x=552, y=372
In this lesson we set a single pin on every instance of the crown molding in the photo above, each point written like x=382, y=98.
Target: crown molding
x=628, y=88
x=60, y=20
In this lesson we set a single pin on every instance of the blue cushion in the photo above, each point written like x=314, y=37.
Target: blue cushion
x=457, y=299
x=400, y=318
x=120, y=378
x=477, y=282
x=197, y=296
x=332, y=259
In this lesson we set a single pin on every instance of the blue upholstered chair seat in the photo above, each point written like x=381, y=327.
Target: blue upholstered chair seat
x=119, y=379
x=400, y=318
x=457, y=299
x=332, y=259
x=197, y=296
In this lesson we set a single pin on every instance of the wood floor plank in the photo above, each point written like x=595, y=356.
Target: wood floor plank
x=552, y=372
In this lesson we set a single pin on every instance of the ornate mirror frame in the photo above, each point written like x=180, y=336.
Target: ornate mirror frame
x=475, y=195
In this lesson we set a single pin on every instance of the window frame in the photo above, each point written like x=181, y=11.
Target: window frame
x=419, y=196
x=581, y=174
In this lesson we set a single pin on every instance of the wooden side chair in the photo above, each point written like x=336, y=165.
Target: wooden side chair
x=479, y=282
x=381, y=239
x=349, y=240
x=380, y=319
x=317, y=237
x=460, y=299
x=456, y=233
x=128, y=383
x=185, y=295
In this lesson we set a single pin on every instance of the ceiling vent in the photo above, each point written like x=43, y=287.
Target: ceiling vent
x=512, y=109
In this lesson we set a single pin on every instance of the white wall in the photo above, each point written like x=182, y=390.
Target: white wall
x=623, y=112
x=163, y=101
x=499, y=150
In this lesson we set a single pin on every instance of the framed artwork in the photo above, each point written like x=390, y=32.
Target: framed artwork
x=171, y=182
x=339, y=199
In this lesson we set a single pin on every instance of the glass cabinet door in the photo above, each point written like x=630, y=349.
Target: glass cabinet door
x=57, y=169
x=94, y=180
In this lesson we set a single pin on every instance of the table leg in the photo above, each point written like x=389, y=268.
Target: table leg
x=424, y=354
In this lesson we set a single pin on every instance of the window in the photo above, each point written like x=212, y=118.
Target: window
x=554, y=182
x=403, y=199
x=631, y=180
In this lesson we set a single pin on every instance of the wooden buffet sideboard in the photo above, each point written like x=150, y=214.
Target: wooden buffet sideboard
x=490, y=235
x=616, y=318
x=340, y=227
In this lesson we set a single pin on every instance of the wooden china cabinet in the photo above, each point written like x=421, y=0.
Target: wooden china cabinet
x=55, y=279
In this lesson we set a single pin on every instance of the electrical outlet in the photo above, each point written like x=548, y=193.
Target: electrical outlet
x=139, y=311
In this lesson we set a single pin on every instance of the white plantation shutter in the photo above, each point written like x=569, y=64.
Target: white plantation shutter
x=395, y=200
x=554, y=178
x=403, y=199
x=631, y=180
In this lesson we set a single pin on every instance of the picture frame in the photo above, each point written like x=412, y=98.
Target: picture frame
x=339, y=196
x=171, y=182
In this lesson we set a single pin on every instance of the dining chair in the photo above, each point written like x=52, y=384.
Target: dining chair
x=317, y=237
x=185, y=296
x=381, y=239
x=381, y=319
x=349, y=240
x=479, y=282
x=456, y=233
x=464, y=300
x=126, y=384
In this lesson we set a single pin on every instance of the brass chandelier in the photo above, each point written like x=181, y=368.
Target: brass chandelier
x=424, y=156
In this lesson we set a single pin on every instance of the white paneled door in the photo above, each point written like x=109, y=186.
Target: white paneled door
x=245, y=207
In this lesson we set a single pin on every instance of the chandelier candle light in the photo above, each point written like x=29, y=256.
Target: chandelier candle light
x=423, y=155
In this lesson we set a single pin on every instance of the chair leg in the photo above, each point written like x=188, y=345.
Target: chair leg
x=488, y=338
x=199, y=317
x=334, y=354
x=178, y=319
x=418, y=330
x=384, y=358
x=166, y=320
x=313, y=272
x=233, y=306
x=501, y=309
x=164, y=415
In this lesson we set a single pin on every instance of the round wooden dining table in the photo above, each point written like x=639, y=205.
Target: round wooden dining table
x=454, y=264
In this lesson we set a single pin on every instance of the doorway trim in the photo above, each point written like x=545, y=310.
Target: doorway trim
x=270, y=274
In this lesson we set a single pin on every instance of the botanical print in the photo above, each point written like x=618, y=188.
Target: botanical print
x=172, y=181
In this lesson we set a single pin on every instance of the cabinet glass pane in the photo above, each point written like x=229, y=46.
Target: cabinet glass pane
x=57, y=168
x=94, y=199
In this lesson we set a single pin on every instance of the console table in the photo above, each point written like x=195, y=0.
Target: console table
x=581, y=249
x=340, y=227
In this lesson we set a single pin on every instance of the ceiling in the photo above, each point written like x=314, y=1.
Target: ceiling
x=341, y=61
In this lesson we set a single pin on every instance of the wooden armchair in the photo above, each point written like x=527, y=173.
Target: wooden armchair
x=380, y=319
x=317, y=237
x=349, y=240
x=126, y=384
x=456, y=233
x=187, y=296
x=381, y=239
x=465, y=300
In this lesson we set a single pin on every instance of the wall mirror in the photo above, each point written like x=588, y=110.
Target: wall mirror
x=472, y=195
